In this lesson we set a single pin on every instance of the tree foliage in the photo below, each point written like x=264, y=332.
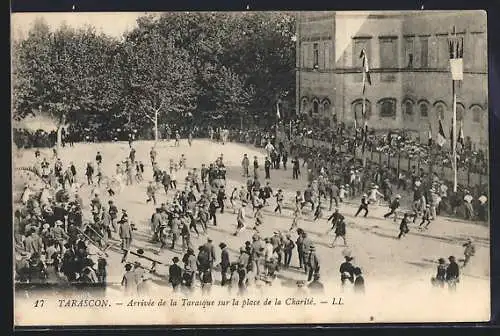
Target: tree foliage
x=173, y=63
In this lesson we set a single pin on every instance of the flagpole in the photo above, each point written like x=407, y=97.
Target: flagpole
x=364, y=128
x=454, y=137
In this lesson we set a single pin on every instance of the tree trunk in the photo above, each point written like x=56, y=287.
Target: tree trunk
x=156, y=126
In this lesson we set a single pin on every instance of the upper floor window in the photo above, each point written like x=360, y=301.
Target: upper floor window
x=424, y=52
x=409, y=52
x=387, y=107
x=388, y=52
x=315, y=55
x=360, y=43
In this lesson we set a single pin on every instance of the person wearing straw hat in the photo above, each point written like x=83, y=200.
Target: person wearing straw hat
x=312, y=263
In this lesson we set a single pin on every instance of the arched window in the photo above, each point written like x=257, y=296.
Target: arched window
x=326, y=106
x=424, y=109
x=477, y=112
x=408, y=109
x=303, y=104
x=357, y=107
x=315, y=108
x=460, y=112
x=440, y=108
x=387, y=108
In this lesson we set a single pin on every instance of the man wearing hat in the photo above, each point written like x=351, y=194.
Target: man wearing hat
x=393, y=206
x=363, y=206
x=175, y=274
x=440, y=278
x=125, y=233
x=346, y=271
x=224, y=263
x=59, y=234
x=312, y=263
x=452, y=274
x=469, y=251
x=240, y=218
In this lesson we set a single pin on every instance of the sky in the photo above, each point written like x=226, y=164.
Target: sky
x=114, y=24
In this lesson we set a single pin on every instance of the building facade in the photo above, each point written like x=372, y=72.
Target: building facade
x=408, y=56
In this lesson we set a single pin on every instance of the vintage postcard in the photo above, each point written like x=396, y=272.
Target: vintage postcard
x=250, y=167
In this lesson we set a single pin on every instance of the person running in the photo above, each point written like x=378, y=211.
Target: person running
x=240, y=218
x=426, y=217
x=393, y=207
x=403, y=227
x=363, y=206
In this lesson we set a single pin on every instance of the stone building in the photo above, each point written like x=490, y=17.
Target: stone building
x=408, y=57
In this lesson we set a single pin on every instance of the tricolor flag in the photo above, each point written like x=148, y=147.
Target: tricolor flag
x=366, y=70
x=365, y=136
x=441, y=138
x=460, y=138
x=456, y=50
x=430, y=135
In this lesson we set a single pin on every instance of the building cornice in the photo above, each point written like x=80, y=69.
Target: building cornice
x=386, y=70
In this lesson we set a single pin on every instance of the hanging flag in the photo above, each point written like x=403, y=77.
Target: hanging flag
x=278, y=114
x=456, y=51
x=365, y=136
x=430, y=136
x=460, y=138
x=366, y=70
x=441, y=138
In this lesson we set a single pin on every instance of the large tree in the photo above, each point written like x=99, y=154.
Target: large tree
x=160, y=77
x=67, y=73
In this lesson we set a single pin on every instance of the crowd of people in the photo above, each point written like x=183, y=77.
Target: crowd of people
x=53, y=236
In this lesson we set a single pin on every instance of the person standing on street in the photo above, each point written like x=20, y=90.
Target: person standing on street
x=452, y=274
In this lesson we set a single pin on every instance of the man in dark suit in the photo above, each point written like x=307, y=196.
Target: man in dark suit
x=224, y=263
x=175, y=274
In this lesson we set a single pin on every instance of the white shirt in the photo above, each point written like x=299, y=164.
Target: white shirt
x=482, y=199
x=468, y=198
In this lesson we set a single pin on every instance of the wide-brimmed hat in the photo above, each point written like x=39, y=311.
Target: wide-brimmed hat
x=441, y=260
x=451, y=258
x=348, y=258
x=58, y=222
x=222, y=245
x=175, y=259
